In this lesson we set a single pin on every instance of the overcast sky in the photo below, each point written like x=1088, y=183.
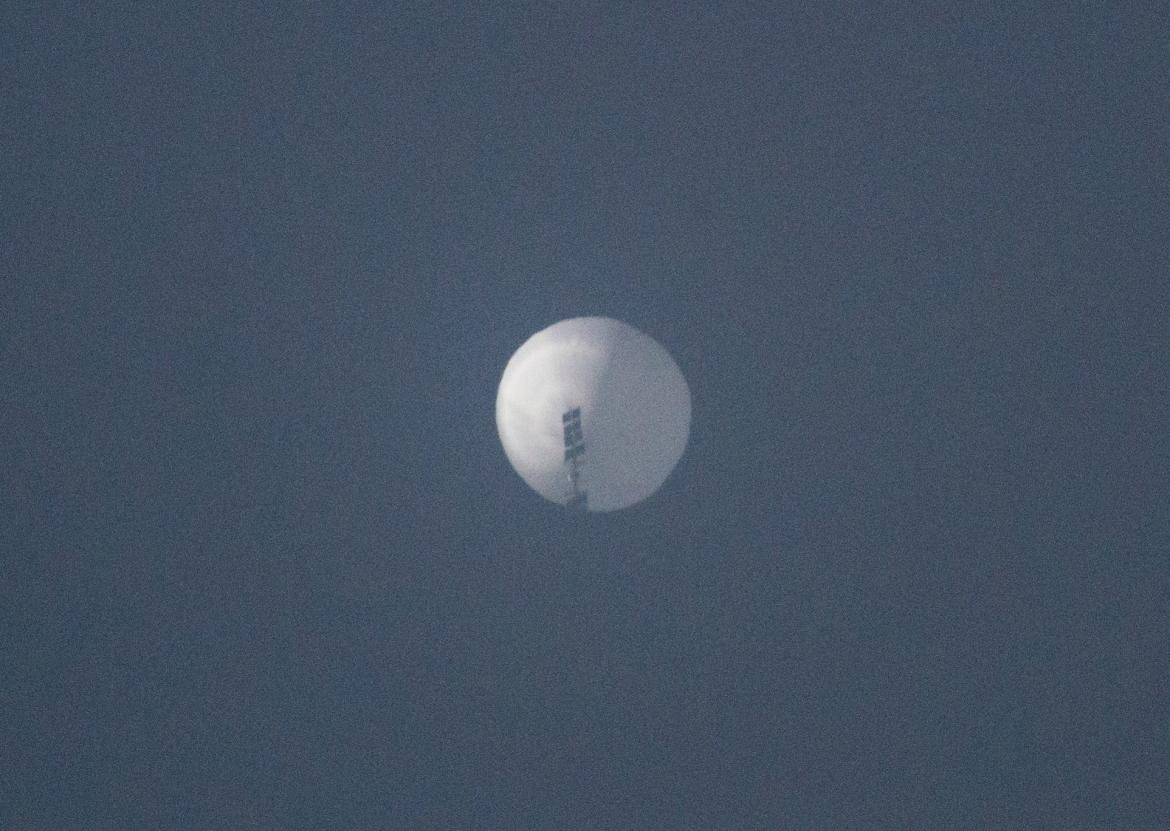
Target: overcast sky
x=265, y=565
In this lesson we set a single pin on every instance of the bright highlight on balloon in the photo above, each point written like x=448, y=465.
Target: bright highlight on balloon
x=593, y=414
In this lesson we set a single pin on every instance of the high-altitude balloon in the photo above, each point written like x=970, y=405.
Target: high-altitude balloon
x=593, y=414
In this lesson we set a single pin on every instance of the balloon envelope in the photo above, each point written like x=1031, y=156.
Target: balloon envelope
x=635, y=412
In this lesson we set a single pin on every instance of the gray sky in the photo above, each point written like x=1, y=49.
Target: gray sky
x=265, y=564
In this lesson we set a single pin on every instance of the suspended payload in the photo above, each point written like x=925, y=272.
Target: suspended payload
x=593, y=414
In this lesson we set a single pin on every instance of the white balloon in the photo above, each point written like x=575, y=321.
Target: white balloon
x=635, y=412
